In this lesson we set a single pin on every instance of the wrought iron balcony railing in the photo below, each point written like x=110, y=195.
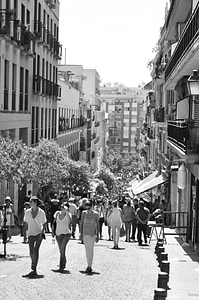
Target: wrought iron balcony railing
x=12, y=29
x=46, y=87
x=184, y=135
x=189, y=36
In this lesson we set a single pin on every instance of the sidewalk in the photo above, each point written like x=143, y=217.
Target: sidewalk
x=184, y=270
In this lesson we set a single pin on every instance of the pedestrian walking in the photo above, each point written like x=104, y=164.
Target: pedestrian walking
x=73, y=212
x=53, y=207
x=36, y=219
x=24, y=224
x=61, y=229
x=81, y=208
x=134, y=221
x=8, y=215
x=107, y=212
x=99, y=208
x=143, y=216
x=115, y=221
x=89, y=232
x=128, y=212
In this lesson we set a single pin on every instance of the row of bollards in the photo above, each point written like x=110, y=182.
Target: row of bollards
x=163, y=277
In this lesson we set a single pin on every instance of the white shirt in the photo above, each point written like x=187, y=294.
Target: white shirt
x=73, y=209
x=35, y=225
x=62, y=226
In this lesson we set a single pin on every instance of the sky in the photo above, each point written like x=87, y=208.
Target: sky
x=115, y=37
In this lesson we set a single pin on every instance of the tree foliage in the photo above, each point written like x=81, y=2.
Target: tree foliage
x=107, y=176
x=12, y=155
x=113, y=161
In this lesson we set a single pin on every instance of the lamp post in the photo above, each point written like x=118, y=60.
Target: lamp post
x=193, y=91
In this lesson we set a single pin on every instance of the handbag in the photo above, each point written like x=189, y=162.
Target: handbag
x=122, y=231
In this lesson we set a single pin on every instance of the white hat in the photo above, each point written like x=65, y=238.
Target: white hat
x=8, y=198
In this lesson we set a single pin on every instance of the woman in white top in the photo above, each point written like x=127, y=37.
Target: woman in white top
x=62, y=219
x=36, y=219
x=115, y=221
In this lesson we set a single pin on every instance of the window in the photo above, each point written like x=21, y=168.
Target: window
x=37, y=125
x=21, y=89
x=26, y=89
x=46, y=122
x=23, y=135
x=6, y=84
x=42, y=122
x=49, y=122
x=33, y=126
x=23, y=14
x=14, y=73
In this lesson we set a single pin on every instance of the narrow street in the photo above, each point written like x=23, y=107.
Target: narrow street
x=129, y=273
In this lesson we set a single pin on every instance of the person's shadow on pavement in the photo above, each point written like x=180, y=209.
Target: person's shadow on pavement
x=62, y=271
x=36, y=277
x=89, y=274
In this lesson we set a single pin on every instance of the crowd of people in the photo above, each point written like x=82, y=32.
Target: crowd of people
x=81, y=219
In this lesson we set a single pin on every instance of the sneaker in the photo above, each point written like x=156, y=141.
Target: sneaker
x=88, y=270
x=31, y=274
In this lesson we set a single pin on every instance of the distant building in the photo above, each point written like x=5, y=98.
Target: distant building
x=123, y=107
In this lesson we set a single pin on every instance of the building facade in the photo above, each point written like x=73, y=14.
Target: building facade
x=173, y=121
x=122, y=105
x=29, y=90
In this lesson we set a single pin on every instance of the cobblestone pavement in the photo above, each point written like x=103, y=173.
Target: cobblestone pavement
x=129, y=273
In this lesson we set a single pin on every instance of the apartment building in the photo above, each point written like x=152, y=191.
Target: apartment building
x=122, y=105
x=29, y=54
x=175, y=116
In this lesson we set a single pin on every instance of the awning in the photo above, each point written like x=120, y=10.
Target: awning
x=149, y=184
x=145, y=180
x=133, y=184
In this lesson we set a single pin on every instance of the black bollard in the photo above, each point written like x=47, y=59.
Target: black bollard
x=158, y=244
x=160, y=250
x=160, y=294
x=163, y=279
x=163, y=256
x=165, y=266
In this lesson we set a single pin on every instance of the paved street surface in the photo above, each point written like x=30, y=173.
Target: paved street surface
x=130, y=273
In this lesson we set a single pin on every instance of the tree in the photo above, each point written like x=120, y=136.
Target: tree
x=101, y=188
x=12, y=159
x=113, y=161
x=46, y=166
x=78, y=179
x=107, y=176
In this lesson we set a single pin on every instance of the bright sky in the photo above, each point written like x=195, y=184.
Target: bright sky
x=115, y=37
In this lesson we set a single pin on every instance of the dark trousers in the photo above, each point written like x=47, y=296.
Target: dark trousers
x=101, y=221
x=34, y=244
x=74, y=223
x=142, y=228
x=62, y=241
x=134, y=227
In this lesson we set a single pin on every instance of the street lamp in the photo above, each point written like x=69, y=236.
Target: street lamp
x=193, y=83
x=193, y=92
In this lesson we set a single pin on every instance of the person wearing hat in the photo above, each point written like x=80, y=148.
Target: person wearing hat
x=143, y=216
x=8, y=214
x=36, y=219
x=61, y=229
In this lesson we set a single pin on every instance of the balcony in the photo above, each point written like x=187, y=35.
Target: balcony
x=186, y=52
x=183, y=137
x=46, y=87
x=51, y=3
x=159, y=115
x=15, y=32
